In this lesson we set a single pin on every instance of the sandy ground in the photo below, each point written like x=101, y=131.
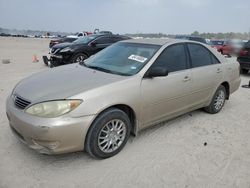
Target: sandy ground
x=169, y=155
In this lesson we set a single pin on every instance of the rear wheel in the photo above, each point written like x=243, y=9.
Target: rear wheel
x=218, y=101
x=80, y=57
x=108, y=134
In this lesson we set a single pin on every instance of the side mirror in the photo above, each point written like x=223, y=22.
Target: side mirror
x=156, y=72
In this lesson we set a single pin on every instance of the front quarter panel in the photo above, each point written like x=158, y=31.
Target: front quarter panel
x=125, y=92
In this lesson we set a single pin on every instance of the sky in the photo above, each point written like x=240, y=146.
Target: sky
x=127, y=16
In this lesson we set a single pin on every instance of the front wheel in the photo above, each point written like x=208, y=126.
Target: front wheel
x=108, y=134
x=80, y=57
x=218, y=101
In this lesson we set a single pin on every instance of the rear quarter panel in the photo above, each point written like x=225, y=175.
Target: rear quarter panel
x=231, y=73
x=231, y=70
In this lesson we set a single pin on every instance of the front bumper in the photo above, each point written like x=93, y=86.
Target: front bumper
x=48, y=135
x=57, y=60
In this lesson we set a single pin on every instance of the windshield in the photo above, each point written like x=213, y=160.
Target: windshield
x=85, y=39
x=122, y=58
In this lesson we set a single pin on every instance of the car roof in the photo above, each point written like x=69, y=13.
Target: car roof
x=155, y=41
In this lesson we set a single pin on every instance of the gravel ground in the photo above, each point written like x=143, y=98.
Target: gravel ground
x=193, y=150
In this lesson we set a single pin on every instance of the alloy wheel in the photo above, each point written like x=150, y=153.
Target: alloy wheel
x=219, y=100
x=112, y=136
x=79, y=58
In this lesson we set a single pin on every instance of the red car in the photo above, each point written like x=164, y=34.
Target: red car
x=217, y=44
x=231, y=47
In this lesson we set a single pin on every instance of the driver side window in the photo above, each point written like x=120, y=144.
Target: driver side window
x=173, y=58
x=103, y=40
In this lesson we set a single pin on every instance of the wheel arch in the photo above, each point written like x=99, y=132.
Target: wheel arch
x=227, y=87
x=130, y=113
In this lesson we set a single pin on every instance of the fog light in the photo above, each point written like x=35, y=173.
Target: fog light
x=47, y=144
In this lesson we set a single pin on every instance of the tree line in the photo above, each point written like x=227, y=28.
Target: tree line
x=228, y=35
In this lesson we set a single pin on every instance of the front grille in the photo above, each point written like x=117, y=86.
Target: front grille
x=21, y=102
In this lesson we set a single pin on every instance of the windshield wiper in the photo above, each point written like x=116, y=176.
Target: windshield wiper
x=104, y=70
x=99, y=68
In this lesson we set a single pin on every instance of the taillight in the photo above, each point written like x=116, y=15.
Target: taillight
x=243, y=52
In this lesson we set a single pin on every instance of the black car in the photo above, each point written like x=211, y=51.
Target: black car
x=193, y=38
x=81, y=49
x=244, y=58
x=61, y=40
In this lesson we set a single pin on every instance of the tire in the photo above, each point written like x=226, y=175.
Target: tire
x=244, y=71
x=218, y=101
x=77, y=58
x=50, y=65
x=108, y=134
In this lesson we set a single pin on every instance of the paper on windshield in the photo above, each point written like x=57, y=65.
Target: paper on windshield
x=137, y=58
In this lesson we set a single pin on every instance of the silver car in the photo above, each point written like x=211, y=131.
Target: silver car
x=97, y=104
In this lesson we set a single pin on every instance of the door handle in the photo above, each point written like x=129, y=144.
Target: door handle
x=219, y=71
x=186, y=78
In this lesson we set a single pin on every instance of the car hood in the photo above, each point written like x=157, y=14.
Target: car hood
x=61, y=45
x=73, y=46
x=63, y=82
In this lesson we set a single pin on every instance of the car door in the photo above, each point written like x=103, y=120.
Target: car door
x=206, y=73
x=165, y=97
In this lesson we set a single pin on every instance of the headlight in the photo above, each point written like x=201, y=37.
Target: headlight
x=53, y=109
x=65, y=49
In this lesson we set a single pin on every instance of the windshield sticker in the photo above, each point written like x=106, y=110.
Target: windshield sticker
x=133, y=68
x=138, y=58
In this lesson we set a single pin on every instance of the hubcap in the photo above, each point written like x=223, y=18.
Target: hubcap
x=219, y=100
x=112, y=136
x=79, y=59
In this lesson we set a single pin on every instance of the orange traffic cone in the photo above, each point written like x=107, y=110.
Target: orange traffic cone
x=34, y=59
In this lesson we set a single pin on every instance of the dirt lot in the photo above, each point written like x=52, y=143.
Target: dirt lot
x=169, y=155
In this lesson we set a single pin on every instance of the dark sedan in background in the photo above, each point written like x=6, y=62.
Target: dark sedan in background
x=244, y=58
x=81, y=49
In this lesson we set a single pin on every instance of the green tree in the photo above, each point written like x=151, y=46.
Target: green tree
x=195, y=33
